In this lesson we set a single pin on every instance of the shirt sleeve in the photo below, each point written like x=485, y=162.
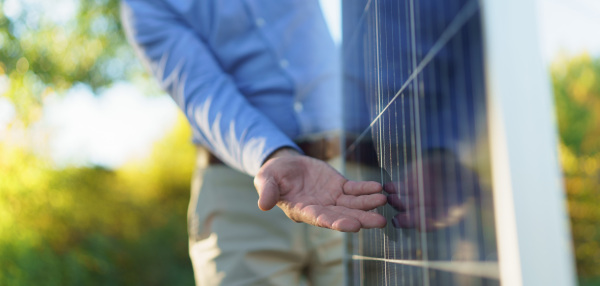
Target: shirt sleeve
x=221, y=117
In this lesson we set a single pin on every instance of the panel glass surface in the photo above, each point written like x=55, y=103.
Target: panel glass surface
x=416, y=121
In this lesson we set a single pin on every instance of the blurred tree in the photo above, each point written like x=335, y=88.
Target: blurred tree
x=42, y=52
x=92, y=226
x=576, y=83
x=84, y=225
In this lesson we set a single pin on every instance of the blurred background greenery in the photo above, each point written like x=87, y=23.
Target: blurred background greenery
x=576, y=84
x=85, y=222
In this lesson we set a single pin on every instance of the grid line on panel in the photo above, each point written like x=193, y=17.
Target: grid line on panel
x=408, y=243
x=379, y=96
x=484, y=269
x=468, y=11
x=396, y=145
x=423, y=235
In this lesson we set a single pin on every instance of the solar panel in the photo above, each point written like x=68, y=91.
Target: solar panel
x=416, y=119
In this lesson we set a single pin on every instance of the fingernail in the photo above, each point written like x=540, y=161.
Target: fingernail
x=395, y=222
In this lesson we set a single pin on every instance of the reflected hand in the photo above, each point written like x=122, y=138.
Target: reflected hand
x=440, y=202
x=309, y=190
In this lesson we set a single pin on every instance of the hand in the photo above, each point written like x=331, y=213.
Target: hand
x=309, y=190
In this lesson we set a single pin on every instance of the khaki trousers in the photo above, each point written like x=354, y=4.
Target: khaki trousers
x=233, y=242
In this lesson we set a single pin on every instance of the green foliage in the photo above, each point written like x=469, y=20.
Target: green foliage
x=589, y=281
x=576, y=83
x=577, y=93
x=91, y=226
x=84, y=225
x=40, y=55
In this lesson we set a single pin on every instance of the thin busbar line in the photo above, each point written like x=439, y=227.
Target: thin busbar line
x=417, y=135
x=461, y=19
x=379, y=101
x=484, y=269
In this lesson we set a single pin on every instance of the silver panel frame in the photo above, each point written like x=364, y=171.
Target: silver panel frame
x=533, y=236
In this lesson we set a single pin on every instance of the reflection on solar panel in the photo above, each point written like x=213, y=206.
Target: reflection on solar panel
x=415, y=114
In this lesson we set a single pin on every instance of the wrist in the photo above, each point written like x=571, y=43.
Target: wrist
x=282, y=152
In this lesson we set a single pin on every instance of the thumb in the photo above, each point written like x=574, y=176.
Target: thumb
x=268, y=192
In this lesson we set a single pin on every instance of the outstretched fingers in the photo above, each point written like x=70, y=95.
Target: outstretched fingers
x=361, y=188
x=365, y=202
x=341, y=218
x=366, y=219
x=322, y=216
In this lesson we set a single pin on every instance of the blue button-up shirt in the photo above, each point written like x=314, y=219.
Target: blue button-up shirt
x=250, y=75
